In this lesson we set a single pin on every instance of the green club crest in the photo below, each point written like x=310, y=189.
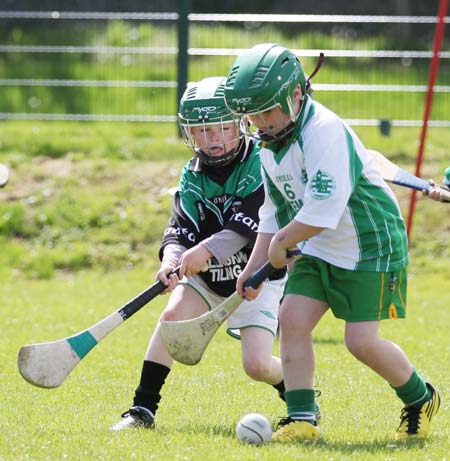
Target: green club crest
x=323, y=185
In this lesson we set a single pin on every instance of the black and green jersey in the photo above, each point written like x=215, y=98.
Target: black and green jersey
x=210, y=199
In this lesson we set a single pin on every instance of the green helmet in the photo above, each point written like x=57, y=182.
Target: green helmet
x=263, y=77
x=203, y=103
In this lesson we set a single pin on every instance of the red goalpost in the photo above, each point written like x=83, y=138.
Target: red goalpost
x=434, y=67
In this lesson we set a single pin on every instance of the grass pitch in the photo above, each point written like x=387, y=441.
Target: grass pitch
x=201, y=405
x=79, y=233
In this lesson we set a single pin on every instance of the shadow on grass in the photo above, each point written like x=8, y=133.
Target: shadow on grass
x=330, y=341
x=385, y=445
x=376, y=446
x=220, y=430
x=369, y=446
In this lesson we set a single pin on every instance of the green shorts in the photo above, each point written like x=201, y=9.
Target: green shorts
x=355, y=296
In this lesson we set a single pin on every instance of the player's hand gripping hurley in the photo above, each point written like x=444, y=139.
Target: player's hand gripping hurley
x=48, y=364
x=187, y=340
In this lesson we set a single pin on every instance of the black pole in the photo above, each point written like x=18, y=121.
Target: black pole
x=184, y=8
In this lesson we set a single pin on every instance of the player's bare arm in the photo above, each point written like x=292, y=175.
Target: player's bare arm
x=287, y=238
x=170, y=260
x=194, y=260
x=164, y=275
x=256, y=260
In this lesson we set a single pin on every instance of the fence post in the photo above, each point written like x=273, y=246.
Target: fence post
x=184, y=8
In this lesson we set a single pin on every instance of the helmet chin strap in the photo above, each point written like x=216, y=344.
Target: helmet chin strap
x=277, y=141
x=290, y=103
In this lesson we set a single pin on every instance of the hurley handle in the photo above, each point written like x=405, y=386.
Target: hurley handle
x=131, y=307
x=260, y=275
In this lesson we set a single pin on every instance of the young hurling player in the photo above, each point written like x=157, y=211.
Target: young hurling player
x=214, y=223
x=324, y=195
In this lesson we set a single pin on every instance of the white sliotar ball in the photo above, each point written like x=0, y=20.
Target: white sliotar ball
x=254, y=429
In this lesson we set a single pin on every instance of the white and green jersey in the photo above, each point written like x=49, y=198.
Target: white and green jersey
x=325, y=178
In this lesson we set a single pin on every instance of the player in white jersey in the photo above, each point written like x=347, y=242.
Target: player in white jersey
x=324, y=195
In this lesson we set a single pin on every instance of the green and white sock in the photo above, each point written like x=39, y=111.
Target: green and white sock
x=301, y=404
x=414, y=392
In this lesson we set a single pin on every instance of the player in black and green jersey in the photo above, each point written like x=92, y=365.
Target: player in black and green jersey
x=214, y=224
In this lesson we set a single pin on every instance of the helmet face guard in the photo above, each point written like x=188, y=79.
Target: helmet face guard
x=273, y=135
x=202, y=110
x=203, y=146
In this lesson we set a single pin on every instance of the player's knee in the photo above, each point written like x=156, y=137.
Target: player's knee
x=256, y=368
x=171, y=314
x=358, y=346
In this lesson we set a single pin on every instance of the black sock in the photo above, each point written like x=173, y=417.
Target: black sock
x=281, y=389
x=153, y=376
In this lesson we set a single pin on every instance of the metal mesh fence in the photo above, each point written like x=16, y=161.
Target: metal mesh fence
x=123, y=66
